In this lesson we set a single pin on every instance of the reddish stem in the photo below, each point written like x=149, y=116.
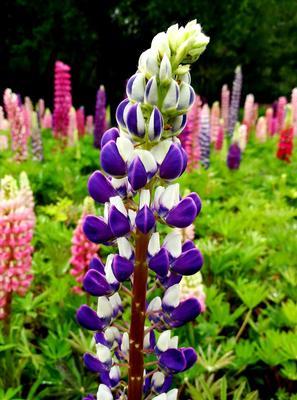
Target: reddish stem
x=136, y=362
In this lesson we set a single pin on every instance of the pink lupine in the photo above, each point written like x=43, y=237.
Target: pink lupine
x=90, y=124
x=220, y=138
x=248, y=111
x=47, y=120
x=225, y=103
x=190, y=135
x=269, y=120
x=82, y=249
x=214, y=121
x=19, y=133
x=242, y=137
x=27, y=115
x=294, y=109
x=40, y=109
x=255, y=114
x=281, y=113
x=261, y=129
x=63, y=99
x=16, y=231
x=72, y=127
x=80, y=121
x=3, y=142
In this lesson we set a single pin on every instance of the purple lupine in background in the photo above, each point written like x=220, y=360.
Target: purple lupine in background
x=141, y=158
x=204, y=137
x=100, y=124
x=62, y=100
x=235, y=100
x=234, y=156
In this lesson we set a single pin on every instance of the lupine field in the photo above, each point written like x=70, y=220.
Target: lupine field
x=149, y=251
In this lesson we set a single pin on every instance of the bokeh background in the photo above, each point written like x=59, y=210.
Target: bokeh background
x=101, y=40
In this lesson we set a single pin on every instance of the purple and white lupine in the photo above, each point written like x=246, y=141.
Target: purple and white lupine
x=235, y=100
x=204, y=136
x=141, y=159
x=100, y=124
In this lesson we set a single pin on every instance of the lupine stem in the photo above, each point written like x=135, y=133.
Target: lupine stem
x=136, y=363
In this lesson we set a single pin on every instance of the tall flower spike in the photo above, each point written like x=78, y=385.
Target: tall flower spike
x=16, y=226
x=285, y=144
x=225, y=103
x=214, y=121
x=248, y=115
x=62, y=100
x=204, y=137
x=36, y=139
x=100, y=116
x=235, y=100
x=294, y=109
x=141, y=158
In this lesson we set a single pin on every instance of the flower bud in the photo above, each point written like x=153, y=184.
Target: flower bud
x=171, y=99
x=160, y=44
x=135, y=87
x=175, y=126
x=187, y=96
x=151, y=92
x=135, y=121
x=165, y=70
x=121, y=113
x=148, y=63
x=156, y=124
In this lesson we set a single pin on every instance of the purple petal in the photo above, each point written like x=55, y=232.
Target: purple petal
x=173, y=360
x=89, y=319
x=96, y=283
x=186, y=311
x=188, y=263
x=97, y=265
x=145, y=219
x=110, y=134
x=190, y=356
x=120, y=112
x=96, y=230
x=137, y=175
x=188, y=245
x=197, y=201
x=122, y=268
x=111, y=160
x=118, y=222
x=183, y=214
x=160, y=262
x=185, y=160
x=100, y=188
x=93, y=364
x=134, y=125
x=172, y=164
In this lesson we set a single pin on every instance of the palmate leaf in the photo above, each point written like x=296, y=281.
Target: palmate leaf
x=289, y=370
x=289, y=309
x=214, y=360
x=251, y=293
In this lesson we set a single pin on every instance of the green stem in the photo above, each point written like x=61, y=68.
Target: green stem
x=245, y=321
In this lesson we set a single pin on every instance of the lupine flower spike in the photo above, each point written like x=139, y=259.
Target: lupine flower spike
x=100, y=116
x=294, y=109
x=36, y=139
x=63, y=100
x=90, y=124
x=47, y=120
x=204, y=137
x=141, y=159
x=285, y=144
x=220, y=138
x=80, y=121
x=248, y=116
x=234, y=156
x=235, y=100
x=281, y=113
x=261, y=129
x=16, y=230
x=269, y=120
x=214, y=121
x=82, y=250
x=225, y=101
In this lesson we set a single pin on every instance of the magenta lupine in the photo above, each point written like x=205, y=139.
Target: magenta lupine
x=235, y=100
x=269, y=120
x=225, y=104
x=82, y=250
x=141, y=160
x=100, y=116
x=248, y=115
x=190, y=135
x=204, y=137
x=16, y=231
x=294, y=109
x=281, y=113
x=19, y=134
x=47, y=120
x=62, y=100
x=90, y=124
x=220, y=138
x=80, y=121
x=214, y=121
x=261, y=129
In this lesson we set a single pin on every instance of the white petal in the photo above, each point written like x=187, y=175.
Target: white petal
x=147, y=160
x=106, y=211
x=173, y=343
x=125, y=248
x=160, y=397
x=118, y=203
x=118, y=183
x=125, y=343
x=160, y=150
x=108, y=270
x=115, y=300
x=144, y=198
x=132, y=216
x=172, y=243
x=103, y=353
x=125, y=148
x=158, y=192
x=160, y=44
x=165, y=70
x=115, y=372
x=104, y=308
x=154, y=244
x=158, y=379
x=155, y=304
x=164, y=340
x=171, y=296
x=172, y=394
x=170, y=197
x=171, y=99
x=104, y=393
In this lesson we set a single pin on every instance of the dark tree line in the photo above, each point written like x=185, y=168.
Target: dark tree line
x=102, y=39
